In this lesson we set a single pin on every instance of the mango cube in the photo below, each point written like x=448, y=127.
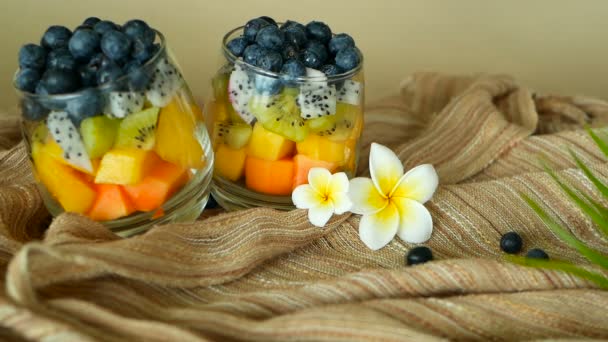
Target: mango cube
x=267, y=145
x=230, y=163
x=125, y=166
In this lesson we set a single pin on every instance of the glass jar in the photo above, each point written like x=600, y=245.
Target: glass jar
x=130, y=153
x=268, y=130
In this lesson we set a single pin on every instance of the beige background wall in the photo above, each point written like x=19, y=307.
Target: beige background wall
x=554, y=46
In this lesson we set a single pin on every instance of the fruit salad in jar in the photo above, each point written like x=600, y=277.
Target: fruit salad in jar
x=112, y=129
x=287, y=98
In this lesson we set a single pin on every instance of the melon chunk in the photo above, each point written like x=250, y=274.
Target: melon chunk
x=322, y=148
x=176, y=135
x=125, y=166
x=303, y=164
x=111, y=203
x=229, y=163
x=267, y=145
x=163, y=180
x=66, y=184
x=269, y=177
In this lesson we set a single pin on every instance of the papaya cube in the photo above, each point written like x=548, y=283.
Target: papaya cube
x=267, y=145
x=230, y=163
x=321, y=148
x=303, y=164
x=274, y=177
x=125, y=166
x=111, y=203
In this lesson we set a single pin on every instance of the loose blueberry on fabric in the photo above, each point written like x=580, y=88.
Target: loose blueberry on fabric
x=537, y=253
x=511, y=243
x=419, y=255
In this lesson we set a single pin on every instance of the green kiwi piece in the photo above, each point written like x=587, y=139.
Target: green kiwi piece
x=138, y=130
x=98, y=134
x=235, y=135
x=280, y=114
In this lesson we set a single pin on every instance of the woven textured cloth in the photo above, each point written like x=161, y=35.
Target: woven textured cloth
x=266, y=275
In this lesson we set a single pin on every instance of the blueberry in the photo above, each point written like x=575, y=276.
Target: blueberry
x=143, y=53
x=319, y=49
x=211, y=203
x=537, y=253
x=270, y=37
x=311, y=59
x=27, y=79
x=109, y=73
x=270, y=60
x=98, y=61
x=290, y=52
x=41, y=89
x=61, y=59
x=291, y=23
x=237, y=46
x=252, y=53
x=319, y=31
x=88, y=75
x=83, y=44
x=56, y=37
x=56, y=81
x=419, y=255
x=267, y=85
x=87, y=103
x=138, y=29
x=104, y=26
x=330, y=70
x=269, y=20
x=339, y=42
x=348, y=58
x=33, y=110
x=291, y=70
x=138, y=77
x=32, y=56
x=116, y=45
x=91, y=21
x=295, y=36
x=252, y=27
x=511, y=243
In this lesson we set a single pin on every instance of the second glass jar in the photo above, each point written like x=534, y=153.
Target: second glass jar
x=268, y=130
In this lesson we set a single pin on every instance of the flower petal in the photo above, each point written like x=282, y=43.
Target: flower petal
x=319, y=178
x=365, y=197
x=385, y=168
x=416, y=223
x=321, y=213
x=341, y=202
x=305, y=197
x=377, y=230
x=418, y=184
x=338, y=183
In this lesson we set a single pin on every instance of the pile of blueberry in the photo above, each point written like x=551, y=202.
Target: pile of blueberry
x=293, y=47
x=96, y=52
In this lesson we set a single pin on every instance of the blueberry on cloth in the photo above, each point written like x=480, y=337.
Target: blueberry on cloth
x=537, y=253
x=32, y=56
x=511, y=243
x=419, y=255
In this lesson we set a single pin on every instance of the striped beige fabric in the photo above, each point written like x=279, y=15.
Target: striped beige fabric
x=264, y=275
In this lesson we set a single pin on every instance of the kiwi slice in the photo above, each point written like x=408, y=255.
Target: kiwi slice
x=138, y=130
x=98, y=134
x=280, y=114
x=235, y=135
x=337, y=127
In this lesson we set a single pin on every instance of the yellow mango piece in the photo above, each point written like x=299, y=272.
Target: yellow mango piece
x=267, y=145
x=66, y=184
x=124, y=166
x=230, y=163
x=54, y=150
x=176, y=140
x=321, y=148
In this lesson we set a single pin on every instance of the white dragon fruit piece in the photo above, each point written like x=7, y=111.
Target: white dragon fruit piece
x=350, y=93
x=66, y=135
x=316, y=98
x=120, y=104
x=241, y=89
x=165, y=82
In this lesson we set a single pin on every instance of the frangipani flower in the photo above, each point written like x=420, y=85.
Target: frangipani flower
x=324, y=195
x=391, y=202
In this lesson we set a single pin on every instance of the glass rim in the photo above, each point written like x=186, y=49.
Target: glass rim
x=300, y=79
x=103, y=87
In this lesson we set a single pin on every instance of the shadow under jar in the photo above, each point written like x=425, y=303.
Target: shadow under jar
x=268, y=130
x=131, y=153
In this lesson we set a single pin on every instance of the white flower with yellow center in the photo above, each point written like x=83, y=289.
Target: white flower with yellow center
x=324, y=195
x=391, y=202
